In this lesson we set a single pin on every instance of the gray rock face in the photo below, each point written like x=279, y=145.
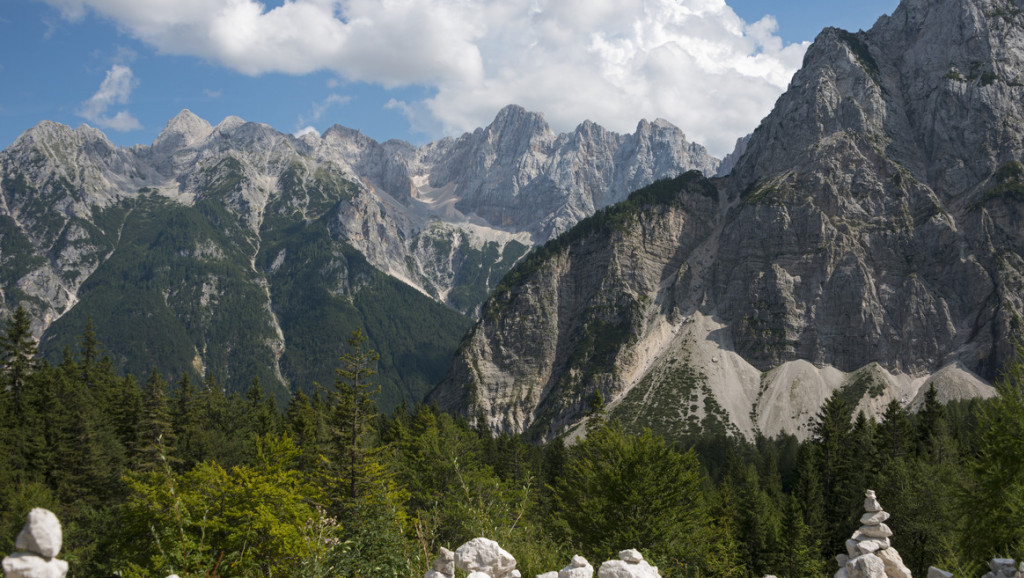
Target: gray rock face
x=873, y=221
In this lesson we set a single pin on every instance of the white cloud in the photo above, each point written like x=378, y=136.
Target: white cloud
x=693, y=62
x=318, y=109
x=114, y=90
x=303, y=132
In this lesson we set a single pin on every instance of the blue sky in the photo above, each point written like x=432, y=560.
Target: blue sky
x=408, y=69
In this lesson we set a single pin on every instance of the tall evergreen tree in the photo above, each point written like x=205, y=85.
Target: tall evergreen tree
x=831, y=434
x=18, y=351
x=156, y=434
x=354, y=412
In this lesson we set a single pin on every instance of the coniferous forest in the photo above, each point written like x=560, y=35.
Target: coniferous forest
x=151, y=477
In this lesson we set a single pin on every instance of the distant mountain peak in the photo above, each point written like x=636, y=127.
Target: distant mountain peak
x=184, y=130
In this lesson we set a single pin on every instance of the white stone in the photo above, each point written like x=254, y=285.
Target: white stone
x=934, y=572
x=879, y=531
x=578, y=568
x=872, y=505
x=484, y=555
x=548, y=575
x=632, y=556
x=478, y=575
x=842, y=573
x=894, y=567
x=436, y=574
x=866, y=566
x=515, y=574
x=41, y=534
x=842, y=559
x=870, y=494
x=445, y=563
x=623, y=569
x=851, y=548
x=874, y=518
x=29, y=565
x=868, y=546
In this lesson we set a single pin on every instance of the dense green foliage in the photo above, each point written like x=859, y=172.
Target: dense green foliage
x=182, y=477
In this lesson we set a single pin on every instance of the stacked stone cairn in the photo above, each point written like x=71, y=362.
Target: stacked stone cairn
x=481, y=557
x=39, y=544
x=869, y=553
x=631, y=564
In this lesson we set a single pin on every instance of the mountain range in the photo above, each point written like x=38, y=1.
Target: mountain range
x=867, y=241
x=240, y=252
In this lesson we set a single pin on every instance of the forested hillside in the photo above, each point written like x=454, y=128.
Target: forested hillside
x=151, y=478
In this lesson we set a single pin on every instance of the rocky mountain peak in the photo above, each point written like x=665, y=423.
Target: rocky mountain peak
x=184, y=130
x=514, y=121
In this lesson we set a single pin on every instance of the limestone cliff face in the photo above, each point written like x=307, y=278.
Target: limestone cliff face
x=870, y=228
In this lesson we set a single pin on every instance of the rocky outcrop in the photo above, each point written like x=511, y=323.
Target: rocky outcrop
x=39, y=545
x=871, y=228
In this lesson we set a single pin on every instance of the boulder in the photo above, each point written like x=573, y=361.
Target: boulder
x=578, y=568
x=632, y=556
x=30, y=565
x=486, y=556
x=623, y=569
x=548, y=575
x=934, y=572
x=445, y=563
x=866, y=566
x=894, y=567
x=41, y=535
x=477, y=575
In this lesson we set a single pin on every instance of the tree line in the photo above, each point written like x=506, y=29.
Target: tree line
x=151, y=478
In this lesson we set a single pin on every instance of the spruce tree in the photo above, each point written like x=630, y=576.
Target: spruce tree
x=156, y=435
x=18, y=351
x=353, y=413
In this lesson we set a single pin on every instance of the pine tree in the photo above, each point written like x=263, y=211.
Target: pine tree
x=18, y=351
x=353, y=413
x=832, y=435
x=995, y=501
x=156, y=435
x=894, y=435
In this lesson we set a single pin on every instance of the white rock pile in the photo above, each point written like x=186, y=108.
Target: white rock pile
x=39, y=544
x=578, y=568
x=444, y=566
x=869, y=553
x=631, y=564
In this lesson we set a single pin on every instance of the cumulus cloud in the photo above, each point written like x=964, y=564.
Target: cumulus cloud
x=692, y=62
x=115, y=89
